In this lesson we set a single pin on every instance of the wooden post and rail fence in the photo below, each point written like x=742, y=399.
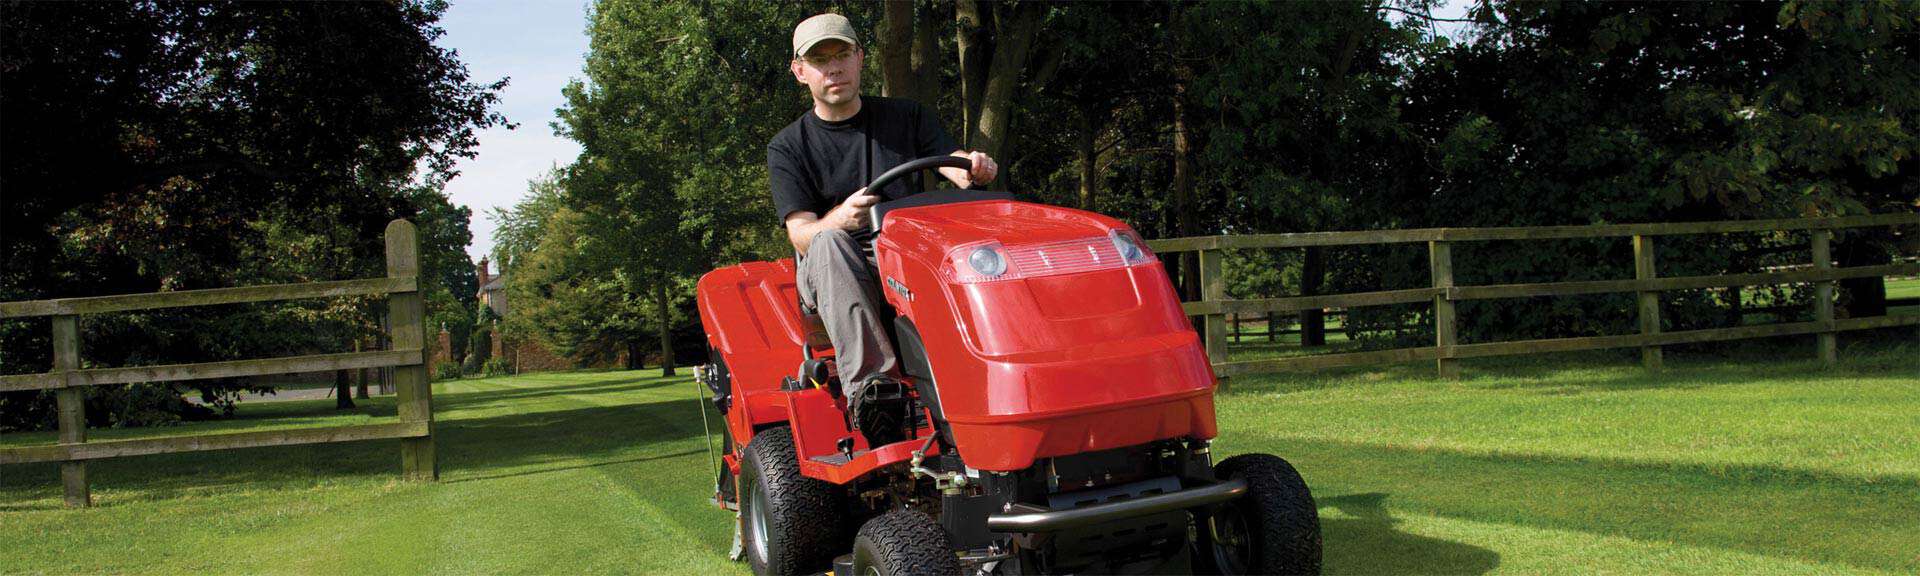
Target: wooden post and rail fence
x=407, y=321
x=1443, y=293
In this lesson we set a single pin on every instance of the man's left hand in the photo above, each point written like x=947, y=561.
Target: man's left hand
x=984, y=169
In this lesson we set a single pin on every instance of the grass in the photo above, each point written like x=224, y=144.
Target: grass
x=1581, y=463
x=1903, y=288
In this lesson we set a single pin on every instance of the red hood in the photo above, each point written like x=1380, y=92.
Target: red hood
x=941, y=227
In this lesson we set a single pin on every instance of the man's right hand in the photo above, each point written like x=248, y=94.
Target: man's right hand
x=852, y=214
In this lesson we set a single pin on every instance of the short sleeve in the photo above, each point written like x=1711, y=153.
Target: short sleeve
x=931, y=139
x=791, y=192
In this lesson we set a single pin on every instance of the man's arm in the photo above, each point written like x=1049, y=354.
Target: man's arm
x=849, y=215
x=983, y=171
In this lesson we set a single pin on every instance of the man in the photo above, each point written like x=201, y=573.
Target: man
x=819, y=167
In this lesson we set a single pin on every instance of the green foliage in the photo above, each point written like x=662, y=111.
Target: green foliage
x=173, y=146
x=570, y=300
x=479, y=349
x=498, y=367
x=446, y=371
x=673, y=122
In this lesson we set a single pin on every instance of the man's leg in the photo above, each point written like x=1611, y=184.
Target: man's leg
x=837, y=282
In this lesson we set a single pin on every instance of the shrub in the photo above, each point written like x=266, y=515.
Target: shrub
x=446, y=371
x=498, y=367
x=479, y=349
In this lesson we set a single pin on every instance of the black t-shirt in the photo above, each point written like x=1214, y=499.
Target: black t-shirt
x=814, y=165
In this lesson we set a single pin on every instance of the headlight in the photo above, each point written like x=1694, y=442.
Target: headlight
x=1129, y=246
x=987, y=261
x=980, y=262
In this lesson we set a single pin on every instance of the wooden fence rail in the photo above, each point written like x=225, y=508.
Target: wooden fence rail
x=407, y=321
x=1443, y=293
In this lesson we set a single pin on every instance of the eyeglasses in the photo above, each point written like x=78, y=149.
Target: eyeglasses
x=822, y=60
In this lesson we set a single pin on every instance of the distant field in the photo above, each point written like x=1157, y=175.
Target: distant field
x=1751, y=462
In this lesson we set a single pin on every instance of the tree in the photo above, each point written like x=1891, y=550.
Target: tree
x=673, y=125
x=169, y=146
x=1578, y=113
x=1199, y=118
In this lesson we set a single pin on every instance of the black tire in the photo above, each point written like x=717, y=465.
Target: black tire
x=799, y=517
x=1274, y=529
x=903, y=543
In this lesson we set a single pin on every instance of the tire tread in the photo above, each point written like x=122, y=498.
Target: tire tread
x=805, y=510
x=906, y=543
x=1290, y=542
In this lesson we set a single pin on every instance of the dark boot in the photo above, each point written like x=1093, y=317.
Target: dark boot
x=879, y=409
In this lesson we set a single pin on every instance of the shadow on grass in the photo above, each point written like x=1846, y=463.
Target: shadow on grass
x=447, y=401
x=590, y=434
x=472, y=448
x=539, y=471
x=1782, y=359
x=1765, y=510
x=1369, y=544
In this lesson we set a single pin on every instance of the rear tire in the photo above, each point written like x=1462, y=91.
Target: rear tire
x=1274, y=529
x=903, y=543
x=791, y=522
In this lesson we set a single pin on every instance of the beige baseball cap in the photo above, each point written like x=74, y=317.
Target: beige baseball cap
x=822, y=27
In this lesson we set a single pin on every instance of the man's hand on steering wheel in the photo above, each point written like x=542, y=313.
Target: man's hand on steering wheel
x=852, y=214
x=982, y=170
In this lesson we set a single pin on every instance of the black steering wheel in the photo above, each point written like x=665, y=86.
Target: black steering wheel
x=877, y=214
x=912, y=166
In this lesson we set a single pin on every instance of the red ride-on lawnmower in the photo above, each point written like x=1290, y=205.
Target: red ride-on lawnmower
x=1062, y=404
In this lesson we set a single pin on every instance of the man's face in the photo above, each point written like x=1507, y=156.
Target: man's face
x=831, y=71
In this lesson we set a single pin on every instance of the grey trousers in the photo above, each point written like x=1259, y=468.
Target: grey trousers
x=838, y=281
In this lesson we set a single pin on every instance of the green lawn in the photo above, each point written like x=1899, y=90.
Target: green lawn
x=1907, y=288
x=1751, y=463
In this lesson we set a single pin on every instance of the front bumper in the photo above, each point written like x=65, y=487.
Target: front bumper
x=1022, y=518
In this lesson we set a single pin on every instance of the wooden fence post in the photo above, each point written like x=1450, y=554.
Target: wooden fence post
x=1440, y=261
x=408, y=321
x=1649, y=299
x=1213, y=288
x=1824, y=342
x=71, y=404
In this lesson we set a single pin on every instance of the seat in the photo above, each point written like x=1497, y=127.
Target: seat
x=815, y=330
x=812, y=330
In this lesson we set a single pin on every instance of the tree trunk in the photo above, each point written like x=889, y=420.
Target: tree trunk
x=1014, y=31
x=1313, y=323
x=1736, y=308
x=666, y=330
x=926, y=55
x=1864, y=297
x=970, y=39
x=360, y=388
x=896, y=57
x=1185, y=212
x=1089, y=160
x=342, y=391
x=634, y=360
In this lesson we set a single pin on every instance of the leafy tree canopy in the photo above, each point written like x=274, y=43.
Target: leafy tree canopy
x=171, y=145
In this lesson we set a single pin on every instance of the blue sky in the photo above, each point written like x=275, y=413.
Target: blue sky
x=540, y=45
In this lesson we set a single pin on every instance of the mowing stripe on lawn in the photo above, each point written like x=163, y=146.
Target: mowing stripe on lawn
x=1550, y=470
x=1872, y=525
